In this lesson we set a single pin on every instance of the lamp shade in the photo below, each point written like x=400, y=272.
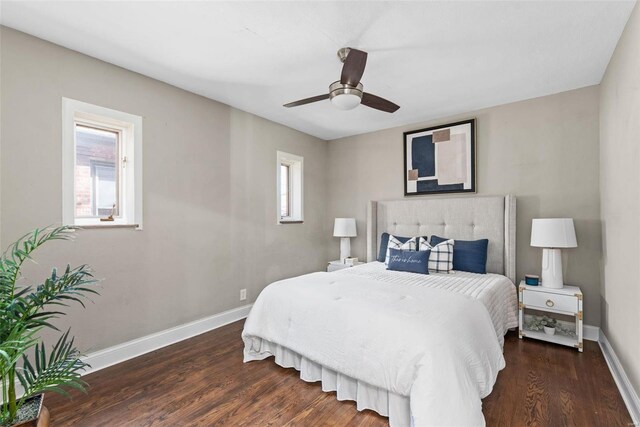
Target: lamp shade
x=344, y=227
x=553, y=233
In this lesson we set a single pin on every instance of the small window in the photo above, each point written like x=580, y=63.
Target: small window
x=290, y=188
x=285, y=191
x=101, y=166
x=97, y=172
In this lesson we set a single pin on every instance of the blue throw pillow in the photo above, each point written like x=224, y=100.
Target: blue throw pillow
x=384, y=243
x=468, y=255
x=411, y=261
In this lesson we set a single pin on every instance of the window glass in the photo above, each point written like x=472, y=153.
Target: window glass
x=284, y=191
x=289, y=191
x=96, y=172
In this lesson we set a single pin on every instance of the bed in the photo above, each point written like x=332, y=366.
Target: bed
x=419, y=349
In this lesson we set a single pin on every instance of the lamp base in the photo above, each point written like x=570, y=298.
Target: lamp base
x=345, y=248
x=552, y=269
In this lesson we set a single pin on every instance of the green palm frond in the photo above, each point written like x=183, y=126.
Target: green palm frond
x=72, y=286
x=18, y=341
x=63, y=367
x=13, y=258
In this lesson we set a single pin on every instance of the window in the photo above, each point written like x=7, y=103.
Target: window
x=96, y=172
x=290, y=188
x=285, y=191
x=102, y=166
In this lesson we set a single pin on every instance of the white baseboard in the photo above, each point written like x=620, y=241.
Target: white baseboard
x=629, y=395
x=590, y=333
x=139, y=346
x=119, y=353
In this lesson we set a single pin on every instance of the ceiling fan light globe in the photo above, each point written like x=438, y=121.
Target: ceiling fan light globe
x=346, y=101
x=344, y=96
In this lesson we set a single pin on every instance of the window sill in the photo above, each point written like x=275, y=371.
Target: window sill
x=285, y=221
x=97, y=226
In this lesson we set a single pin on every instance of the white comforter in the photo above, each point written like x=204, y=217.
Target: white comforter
x=435, y=346
x=496, y=292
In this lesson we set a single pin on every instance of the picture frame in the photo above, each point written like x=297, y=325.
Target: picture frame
x=440, y=159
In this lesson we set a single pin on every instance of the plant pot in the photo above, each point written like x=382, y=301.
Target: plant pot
x=549, y=331
x=33, y=413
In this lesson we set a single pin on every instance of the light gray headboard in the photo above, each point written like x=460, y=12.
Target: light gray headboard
x=464, y=218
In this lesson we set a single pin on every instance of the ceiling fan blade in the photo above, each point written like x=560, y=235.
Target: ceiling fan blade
x=307, y=100
x=353, y=67
x=378, y=103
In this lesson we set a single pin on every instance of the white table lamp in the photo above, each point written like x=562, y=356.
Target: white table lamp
x=345, y=228
x=552, y=234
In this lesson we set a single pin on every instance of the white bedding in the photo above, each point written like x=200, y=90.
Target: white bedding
x=431, y=338
x=496, y=292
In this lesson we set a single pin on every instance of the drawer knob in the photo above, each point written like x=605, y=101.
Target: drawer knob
x=550, y=303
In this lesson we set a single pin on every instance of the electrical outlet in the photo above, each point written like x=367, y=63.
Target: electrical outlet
x=243, y=294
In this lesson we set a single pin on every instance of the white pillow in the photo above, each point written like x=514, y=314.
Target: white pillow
x=441, y=257
x=394, y=243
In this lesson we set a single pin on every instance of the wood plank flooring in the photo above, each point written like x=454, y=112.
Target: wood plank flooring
x=203, y=382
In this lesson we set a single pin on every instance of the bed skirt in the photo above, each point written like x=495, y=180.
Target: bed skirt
x=366, y=396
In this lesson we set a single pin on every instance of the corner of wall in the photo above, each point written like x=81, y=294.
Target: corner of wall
x=619, y=110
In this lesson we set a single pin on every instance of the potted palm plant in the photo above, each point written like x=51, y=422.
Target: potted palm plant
x=24, y=312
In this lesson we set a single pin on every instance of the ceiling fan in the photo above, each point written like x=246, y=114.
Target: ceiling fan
x=347, y=93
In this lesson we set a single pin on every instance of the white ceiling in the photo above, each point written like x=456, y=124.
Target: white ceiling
x=432, y=58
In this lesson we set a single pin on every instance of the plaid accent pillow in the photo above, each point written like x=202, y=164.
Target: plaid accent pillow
x=441, y=258
x=409, y=245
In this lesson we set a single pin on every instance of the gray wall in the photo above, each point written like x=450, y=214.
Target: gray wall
x=209, y=194
x=619, y=178
x=544, y=150
x=209, y=178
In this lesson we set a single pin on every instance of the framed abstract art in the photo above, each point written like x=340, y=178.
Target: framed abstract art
x=440, y=159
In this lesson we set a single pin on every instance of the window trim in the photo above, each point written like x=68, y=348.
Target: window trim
x=130, y=126
x=296, y=188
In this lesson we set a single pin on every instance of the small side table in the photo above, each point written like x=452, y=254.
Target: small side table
x=339, y=265
x=567, y=301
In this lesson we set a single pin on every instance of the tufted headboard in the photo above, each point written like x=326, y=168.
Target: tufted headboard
x=464, y=218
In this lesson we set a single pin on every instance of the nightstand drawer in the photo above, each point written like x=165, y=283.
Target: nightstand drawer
x=532, y=299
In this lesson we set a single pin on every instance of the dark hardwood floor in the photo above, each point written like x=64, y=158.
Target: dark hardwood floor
x=203, y=382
